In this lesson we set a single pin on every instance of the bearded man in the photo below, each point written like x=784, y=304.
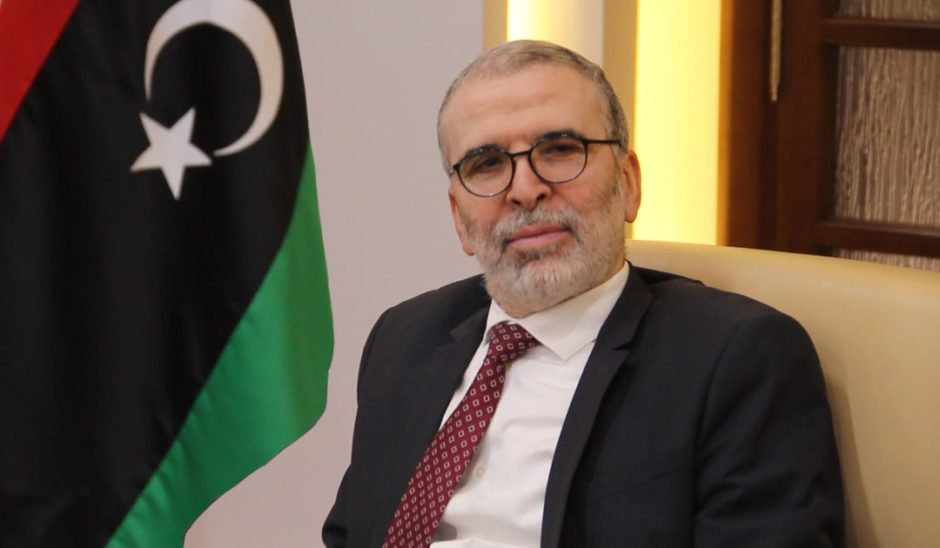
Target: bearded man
x=567, y=397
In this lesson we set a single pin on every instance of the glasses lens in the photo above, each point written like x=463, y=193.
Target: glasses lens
x=559, y=159
x=486, y=172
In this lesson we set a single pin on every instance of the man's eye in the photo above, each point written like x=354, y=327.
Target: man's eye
x=483, y=164
x=560, y=147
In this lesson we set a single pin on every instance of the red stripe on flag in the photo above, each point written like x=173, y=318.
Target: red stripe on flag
x=28, y=30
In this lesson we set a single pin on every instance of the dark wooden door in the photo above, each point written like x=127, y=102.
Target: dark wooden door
x=796, y=170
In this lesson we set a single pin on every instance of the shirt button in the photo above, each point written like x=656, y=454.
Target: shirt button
x=479, y=471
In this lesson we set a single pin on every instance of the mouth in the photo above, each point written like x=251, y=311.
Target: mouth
x=537, y=236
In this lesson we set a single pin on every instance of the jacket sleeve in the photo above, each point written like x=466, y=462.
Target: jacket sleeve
x=767, y=468
x=335, y=527
x=335, y=532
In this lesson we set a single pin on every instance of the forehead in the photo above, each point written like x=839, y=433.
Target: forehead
x=512, y=111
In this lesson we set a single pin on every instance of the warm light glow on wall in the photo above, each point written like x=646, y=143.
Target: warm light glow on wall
x=575, y=24
x=675, y=110
x=676, y=119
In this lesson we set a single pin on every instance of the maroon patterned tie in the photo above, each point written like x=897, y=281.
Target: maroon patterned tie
x=435, y=478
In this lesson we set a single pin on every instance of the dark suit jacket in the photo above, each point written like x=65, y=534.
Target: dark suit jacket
x=700, y=418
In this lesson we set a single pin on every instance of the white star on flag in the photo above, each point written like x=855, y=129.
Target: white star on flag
x=170, y=150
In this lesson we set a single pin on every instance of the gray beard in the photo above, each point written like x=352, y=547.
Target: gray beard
x=531, y=281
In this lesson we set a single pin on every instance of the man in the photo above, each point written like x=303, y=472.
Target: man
x=637, y=409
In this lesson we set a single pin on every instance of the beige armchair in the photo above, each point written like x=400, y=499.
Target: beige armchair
x=877, y=331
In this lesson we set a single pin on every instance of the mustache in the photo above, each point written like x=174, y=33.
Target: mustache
x=520, y=219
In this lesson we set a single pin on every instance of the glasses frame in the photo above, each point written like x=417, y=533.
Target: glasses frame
x=528, y=154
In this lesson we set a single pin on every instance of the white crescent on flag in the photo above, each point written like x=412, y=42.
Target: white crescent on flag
x=247, y=22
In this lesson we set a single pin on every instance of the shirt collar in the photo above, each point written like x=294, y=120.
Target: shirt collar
x=569, y=326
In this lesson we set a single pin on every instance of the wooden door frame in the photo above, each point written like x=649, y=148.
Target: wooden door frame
x=756, y=151
x=746, y=200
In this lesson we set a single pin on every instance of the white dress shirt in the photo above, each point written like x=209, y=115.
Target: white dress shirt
x=499, y=500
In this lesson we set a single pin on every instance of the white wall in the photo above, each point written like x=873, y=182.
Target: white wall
x=375, y=73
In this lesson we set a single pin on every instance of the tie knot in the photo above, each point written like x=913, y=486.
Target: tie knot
x=509, y=341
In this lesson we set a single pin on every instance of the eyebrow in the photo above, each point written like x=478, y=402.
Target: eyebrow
x=489, y=147
x=558, y=133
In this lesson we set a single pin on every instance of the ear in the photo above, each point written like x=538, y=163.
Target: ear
x=629, y=166
x=458, y=225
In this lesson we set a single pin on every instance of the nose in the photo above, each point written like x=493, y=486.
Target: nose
x=527, y=189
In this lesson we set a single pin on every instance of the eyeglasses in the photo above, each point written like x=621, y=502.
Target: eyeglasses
x=556, y=158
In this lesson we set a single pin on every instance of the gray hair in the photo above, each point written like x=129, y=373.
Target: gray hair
x=512, y=57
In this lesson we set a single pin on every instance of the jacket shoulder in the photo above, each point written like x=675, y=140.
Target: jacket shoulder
x=676, y=291
x=457, y=300
x=433, y=314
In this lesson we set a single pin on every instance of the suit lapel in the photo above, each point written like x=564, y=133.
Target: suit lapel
x=440, y=375
x=609, y=354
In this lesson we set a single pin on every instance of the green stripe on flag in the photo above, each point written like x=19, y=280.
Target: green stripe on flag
x=267, y=389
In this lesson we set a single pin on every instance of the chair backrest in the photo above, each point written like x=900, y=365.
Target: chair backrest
x=877, y=331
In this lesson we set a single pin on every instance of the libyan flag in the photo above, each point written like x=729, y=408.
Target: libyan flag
x=164, y=313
